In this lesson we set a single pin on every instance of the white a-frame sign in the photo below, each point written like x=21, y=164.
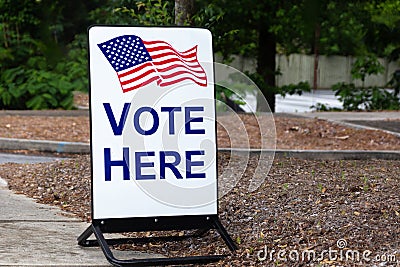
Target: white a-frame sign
x=153, y=135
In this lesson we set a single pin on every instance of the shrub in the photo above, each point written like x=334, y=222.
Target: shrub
x=27, y=88
x=368, y=98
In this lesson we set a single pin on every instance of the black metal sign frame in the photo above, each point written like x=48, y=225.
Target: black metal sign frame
x=202, y=224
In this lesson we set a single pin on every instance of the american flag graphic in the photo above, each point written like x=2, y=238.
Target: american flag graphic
x=138, y=62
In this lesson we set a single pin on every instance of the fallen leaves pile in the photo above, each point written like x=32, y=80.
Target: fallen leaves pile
x=302, y=206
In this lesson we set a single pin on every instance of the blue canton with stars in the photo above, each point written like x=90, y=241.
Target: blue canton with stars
x=125, y=52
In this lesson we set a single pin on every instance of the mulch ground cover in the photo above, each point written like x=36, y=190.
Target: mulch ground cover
x=304, y=210
x=291, y=132
x=304, y=213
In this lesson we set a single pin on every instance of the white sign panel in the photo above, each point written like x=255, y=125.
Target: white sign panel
x=152, y=121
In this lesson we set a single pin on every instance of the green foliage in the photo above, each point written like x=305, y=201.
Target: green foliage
x=395, y=82
x=233, y=91
x=74, y=66
x=325, y=27
x=32, y=87
x=224, y=95
x=292, y=89
x=368, y=98
x=342, y=30
x=28, y=81
x=208, y=16
x=365, y=66
x=323, y=107
x=41, y=62
x=131, y=12
x=42, y=40
x=149, y=13
x=385, y=12
x=383, y=38
x=351, y=97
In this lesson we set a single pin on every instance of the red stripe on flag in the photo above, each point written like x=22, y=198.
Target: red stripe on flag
x=176, y=73
x=186, y=57
x=176, y=66
x=171, y=67
x=171, y=82
x=134, y=69
x=127, y=89
x=190, y=65
x=138, y=77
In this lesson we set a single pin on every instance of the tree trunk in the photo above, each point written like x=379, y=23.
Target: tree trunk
x=316, y=55
x=266, y=67
x=183, y=11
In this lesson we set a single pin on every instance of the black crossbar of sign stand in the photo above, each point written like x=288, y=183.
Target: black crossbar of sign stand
x=201, y=223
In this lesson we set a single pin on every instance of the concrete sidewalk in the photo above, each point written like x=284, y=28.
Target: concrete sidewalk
x=351, y=116
x=385, y=121
x=33, y=234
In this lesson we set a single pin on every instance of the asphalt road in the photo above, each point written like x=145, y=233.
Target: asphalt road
x=303, y=103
